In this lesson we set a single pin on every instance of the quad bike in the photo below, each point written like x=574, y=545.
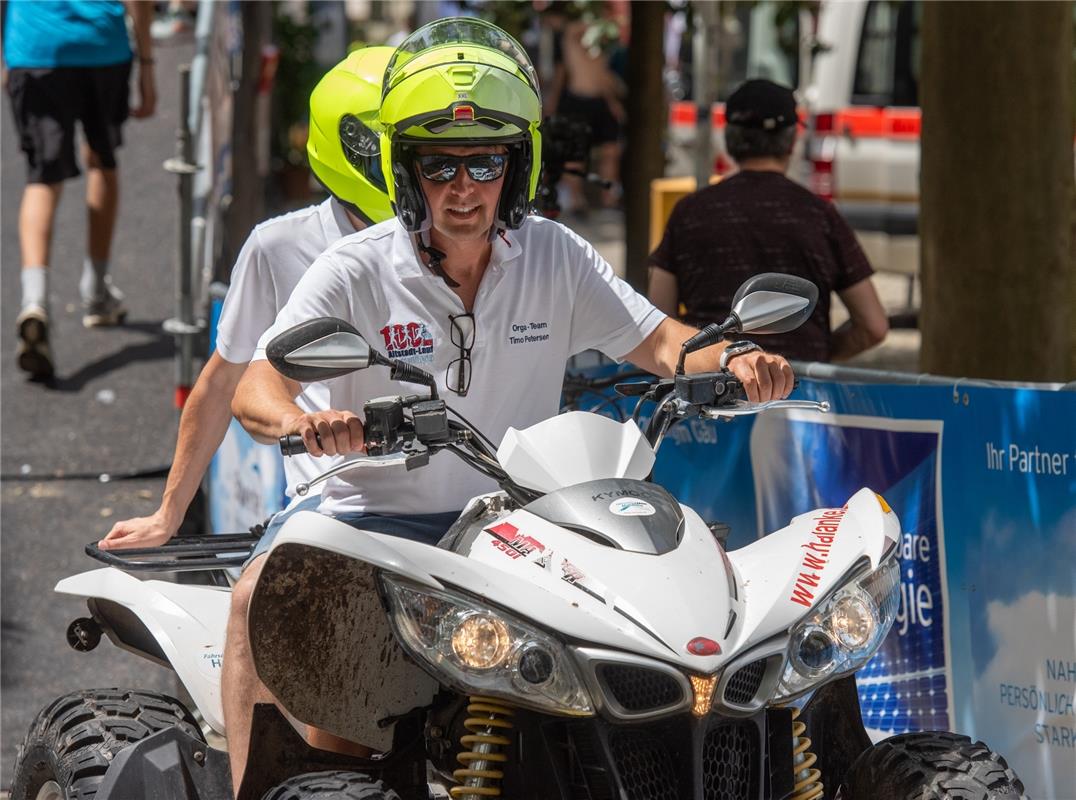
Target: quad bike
x=577, y=634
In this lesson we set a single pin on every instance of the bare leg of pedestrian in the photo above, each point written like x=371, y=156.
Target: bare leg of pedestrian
x=36, y=215
x=609, y=170
x=103, y=302
x=576, y=189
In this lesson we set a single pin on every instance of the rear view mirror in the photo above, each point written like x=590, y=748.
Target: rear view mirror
x=320, y=349
x=774, y=303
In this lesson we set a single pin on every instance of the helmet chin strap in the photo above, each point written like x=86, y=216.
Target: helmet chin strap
x=436, y=257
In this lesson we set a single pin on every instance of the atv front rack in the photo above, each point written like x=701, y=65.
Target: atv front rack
x=181, y=554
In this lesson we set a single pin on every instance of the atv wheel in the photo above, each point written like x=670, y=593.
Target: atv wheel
x=930, y=766
x=73, y=740
x=331, y=786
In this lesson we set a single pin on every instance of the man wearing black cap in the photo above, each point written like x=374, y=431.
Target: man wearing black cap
x=758, y=220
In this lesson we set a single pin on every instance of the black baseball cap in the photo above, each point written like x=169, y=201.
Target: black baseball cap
x=761, y=104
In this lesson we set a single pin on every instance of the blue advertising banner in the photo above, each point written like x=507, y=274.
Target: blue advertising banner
x=984, y=482
x=246, y=482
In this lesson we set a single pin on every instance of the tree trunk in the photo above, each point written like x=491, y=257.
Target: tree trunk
x=996, y=213
x=646, y=125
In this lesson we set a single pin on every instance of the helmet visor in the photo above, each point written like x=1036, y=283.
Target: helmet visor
x=459, y=30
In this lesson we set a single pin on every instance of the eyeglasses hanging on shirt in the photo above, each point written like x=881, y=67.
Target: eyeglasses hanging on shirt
x=458, y=376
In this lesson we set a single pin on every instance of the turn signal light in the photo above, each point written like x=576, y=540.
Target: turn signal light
x=703, y=686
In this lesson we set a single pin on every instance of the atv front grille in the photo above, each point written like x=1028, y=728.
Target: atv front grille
x=638, y=689
x=744, y=683
x=644, y=766
x=587, y=776
x=728, y=761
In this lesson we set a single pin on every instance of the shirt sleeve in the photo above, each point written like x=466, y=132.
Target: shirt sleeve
x=250, y=304
x=323, y=291
x=607, y=314
x=852, y=263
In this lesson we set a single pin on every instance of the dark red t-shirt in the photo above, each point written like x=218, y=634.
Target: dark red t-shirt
x=758, y=222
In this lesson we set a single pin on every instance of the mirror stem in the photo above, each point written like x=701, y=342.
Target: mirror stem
x=402, y=371
x=709, y=335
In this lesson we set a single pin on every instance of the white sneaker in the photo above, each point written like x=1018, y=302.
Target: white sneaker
x=106, y=310
x=32, y=353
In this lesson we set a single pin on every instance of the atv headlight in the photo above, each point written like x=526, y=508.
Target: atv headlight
x=844, y=632
x=476, y=649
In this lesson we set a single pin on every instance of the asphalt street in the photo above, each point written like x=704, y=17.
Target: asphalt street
x=110, y=410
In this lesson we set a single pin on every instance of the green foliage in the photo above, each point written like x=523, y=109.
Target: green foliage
x=512, y=16
x=515, y=16
x=296, y=76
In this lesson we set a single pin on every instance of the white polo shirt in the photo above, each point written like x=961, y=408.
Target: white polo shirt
x=545, y=296
x=273, y=259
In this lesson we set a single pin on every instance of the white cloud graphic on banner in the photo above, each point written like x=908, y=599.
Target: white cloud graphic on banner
x=1023, y=702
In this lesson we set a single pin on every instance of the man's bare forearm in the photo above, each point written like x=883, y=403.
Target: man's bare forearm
x=867, y=323
x=660, y=351
x=264, y=401
x=202, y=427
x=764, y=376
x=850, y=340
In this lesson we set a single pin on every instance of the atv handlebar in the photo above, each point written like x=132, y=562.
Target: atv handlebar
x=292, y=444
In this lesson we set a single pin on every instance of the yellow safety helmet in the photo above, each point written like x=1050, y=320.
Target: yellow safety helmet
x=460, y=81
x=344, y=144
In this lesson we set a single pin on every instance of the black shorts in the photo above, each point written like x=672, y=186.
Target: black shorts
x=595, y=112
x=46, y=103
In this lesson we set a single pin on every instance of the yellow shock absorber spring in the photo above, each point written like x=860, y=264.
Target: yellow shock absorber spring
x=808, y=780
x=487, y=720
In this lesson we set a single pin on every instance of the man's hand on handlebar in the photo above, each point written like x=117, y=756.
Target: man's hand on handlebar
x=765, y=376
x=328, y=433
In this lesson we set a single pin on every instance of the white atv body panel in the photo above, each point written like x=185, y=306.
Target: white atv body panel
x=573, y=448
x=543, y=596
x=188, y=623
x=786, y=573
x=651, y=605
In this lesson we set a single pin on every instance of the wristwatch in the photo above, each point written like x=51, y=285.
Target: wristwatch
x=736, y=349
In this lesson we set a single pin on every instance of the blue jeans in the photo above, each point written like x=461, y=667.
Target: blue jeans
x=423, y=528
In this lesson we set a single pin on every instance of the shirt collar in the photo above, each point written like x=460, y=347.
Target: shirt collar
x=408, y=263
x=335, y=220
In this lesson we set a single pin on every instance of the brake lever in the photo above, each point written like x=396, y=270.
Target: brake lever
x=632, y=388
x=742, y=408
x=408, y=459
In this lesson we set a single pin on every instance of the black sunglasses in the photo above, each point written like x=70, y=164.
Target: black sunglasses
x=483, y=168
x=458, y=376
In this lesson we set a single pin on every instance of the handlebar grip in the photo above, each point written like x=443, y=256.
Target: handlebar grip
x=292, y=444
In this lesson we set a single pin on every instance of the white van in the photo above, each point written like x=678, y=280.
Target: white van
x=759, y=40
x=862, y=148
x=859, y=95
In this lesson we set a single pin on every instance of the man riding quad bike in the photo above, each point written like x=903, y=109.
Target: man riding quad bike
x=576, y=632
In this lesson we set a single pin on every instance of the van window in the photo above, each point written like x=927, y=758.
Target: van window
x=759, y=40
x=887, y=69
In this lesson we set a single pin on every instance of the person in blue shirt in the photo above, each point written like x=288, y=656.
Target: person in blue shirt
x=68, y=61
